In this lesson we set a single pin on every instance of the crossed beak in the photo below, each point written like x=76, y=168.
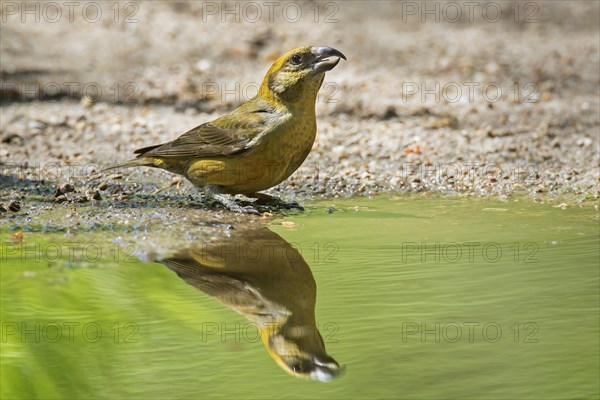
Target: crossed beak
x=326, y=58
x=326, y=371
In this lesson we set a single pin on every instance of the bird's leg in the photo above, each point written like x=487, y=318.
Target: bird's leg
x=228, y=203
x=265, y=199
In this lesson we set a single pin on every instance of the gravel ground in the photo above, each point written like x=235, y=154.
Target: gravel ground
x=475, y=108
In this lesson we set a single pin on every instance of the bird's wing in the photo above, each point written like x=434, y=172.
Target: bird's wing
x=228, y=135
x=205, y=140
x=203, y=278
x=233, y=291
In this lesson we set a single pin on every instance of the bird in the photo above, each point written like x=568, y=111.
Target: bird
x=257, y=273
x=259, y=144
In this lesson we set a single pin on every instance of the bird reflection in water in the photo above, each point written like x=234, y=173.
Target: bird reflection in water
x=257, y=273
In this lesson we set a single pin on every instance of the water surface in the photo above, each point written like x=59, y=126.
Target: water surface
x=417, y=297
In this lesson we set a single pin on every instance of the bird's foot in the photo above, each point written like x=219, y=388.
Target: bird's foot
x=244, y=210
x=232, y=206
x=276, y=202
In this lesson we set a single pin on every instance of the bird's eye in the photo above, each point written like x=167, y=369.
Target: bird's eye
x=297, y=368
x=296, y=59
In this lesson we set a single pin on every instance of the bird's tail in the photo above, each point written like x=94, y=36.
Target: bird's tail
x=136, y=162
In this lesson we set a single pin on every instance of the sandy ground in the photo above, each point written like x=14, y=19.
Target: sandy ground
x=484, y=105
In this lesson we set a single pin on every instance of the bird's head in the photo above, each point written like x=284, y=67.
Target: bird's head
x=300, y=351
x=298, y=75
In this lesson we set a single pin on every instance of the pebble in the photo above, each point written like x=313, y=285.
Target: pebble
x=14, y=206
x=66, y=188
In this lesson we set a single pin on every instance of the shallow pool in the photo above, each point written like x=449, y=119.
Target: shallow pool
x=416, y=297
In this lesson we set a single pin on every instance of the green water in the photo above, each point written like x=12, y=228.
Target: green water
x=417, y=298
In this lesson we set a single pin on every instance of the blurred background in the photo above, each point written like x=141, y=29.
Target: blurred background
x=488, y=82
x=171, y=50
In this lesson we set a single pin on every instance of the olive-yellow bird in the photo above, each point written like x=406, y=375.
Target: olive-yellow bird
x=258, y=145
x=257, y=273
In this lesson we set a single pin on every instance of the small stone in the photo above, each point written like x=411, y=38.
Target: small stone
x=93, y=194
x=584, y=142
x=86, y=102
x=66, y=188
x=17, y=237
x=14, y=206
x=203, y=65
x=390, y=113
x=32, y=125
